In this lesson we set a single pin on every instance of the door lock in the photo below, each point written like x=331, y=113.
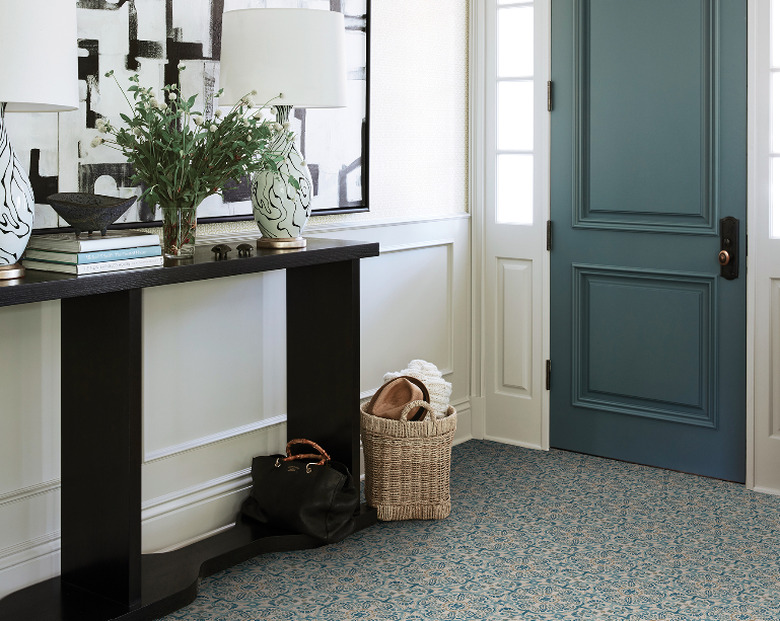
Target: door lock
x=728, y=255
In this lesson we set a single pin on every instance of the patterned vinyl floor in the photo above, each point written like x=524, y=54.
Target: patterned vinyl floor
x=532, y=535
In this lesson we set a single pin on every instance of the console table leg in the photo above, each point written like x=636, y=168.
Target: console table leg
x=323, y=358
x=101, y=445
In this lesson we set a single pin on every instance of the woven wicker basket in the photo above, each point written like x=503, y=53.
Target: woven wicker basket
x=408, y=464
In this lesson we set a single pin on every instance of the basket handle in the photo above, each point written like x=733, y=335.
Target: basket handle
x=320, y=454
x=417, y=404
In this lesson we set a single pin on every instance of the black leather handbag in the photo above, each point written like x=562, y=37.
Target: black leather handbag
x=305, y=493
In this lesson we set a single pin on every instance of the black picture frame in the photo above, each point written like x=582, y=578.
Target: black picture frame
x=202, y=52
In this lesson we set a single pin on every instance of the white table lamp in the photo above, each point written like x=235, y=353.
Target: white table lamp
x=289, y=57
x=38, y=73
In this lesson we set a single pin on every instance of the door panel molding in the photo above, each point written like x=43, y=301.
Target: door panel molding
x=691, y=217
x=620, y=357
x=513, y=343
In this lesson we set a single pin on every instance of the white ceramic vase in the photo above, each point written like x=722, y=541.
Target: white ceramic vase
x=281, y=210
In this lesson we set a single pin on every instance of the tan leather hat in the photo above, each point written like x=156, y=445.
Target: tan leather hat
x=389, y=400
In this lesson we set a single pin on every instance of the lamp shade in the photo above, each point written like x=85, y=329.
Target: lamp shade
x=296, y=52
x=38, y=55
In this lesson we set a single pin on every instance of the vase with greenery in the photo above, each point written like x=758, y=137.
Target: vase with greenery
x=180, y=156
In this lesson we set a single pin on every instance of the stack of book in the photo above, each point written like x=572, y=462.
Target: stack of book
x=90, y=254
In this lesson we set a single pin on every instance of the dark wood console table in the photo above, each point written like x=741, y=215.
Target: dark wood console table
x=104, y=575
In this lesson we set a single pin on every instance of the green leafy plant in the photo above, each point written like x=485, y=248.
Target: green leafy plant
x=178, y=155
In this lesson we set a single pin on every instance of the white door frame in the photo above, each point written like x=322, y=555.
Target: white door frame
x=504, y=277
x=763, y=284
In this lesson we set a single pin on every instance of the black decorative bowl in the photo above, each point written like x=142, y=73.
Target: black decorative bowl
x=89, y=212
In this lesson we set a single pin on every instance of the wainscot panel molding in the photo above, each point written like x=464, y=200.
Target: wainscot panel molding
x=222, y=436
x=173, y=478
x=213, y=358
x=29, y=444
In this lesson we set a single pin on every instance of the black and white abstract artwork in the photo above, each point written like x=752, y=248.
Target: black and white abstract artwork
x=152, y=38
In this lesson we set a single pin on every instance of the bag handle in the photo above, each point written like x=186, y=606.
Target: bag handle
x=321, y=455
x=417, y=404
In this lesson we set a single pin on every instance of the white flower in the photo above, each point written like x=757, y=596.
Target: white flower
x=137, y=131
x=198, y=120
x=259, y=115
x=162, y=106
x=278, y=127
x=303, y=163
x=153, y=101
x=253, y=93
x=218, y=112
x=213, y=128
x=97, y=141
x=172, y=96
x=182, y=67
x=286, y=125
x=245, y=122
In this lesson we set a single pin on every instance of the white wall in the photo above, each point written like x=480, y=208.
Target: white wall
x=415, y=299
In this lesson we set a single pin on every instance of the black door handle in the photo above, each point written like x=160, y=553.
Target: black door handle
x=728, y=257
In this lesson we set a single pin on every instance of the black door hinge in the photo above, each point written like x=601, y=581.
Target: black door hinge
x=549, y=96
x=548, y=373
x=549, y=235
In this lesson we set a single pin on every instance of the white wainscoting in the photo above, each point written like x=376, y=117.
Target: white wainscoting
x=198, y=447
x=29, y=444
x=214, y=384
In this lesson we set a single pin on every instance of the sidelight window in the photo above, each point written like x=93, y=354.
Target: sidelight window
x=514, y=129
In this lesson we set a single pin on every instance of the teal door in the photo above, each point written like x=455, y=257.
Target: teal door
x=648, y=155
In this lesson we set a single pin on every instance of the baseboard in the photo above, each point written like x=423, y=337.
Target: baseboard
x=193, y=513
x=528, y=445
x=766, y=490
x=463, y=431
x=29, y=562
x=31, y=510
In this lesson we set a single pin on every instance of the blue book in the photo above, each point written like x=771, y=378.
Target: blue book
x=97, y=256
x=93, y=268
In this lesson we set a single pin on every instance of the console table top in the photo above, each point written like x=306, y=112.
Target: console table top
x=39, y=286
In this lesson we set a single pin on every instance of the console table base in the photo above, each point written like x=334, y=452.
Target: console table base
x=169, y=580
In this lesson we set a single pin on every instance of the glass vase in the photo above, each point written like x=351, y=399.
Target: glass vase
x=179, y=226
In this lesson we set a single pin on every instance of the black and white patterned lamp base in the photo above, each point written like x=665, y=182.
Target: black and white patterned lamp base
x=17, y=207
x=281, y=210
